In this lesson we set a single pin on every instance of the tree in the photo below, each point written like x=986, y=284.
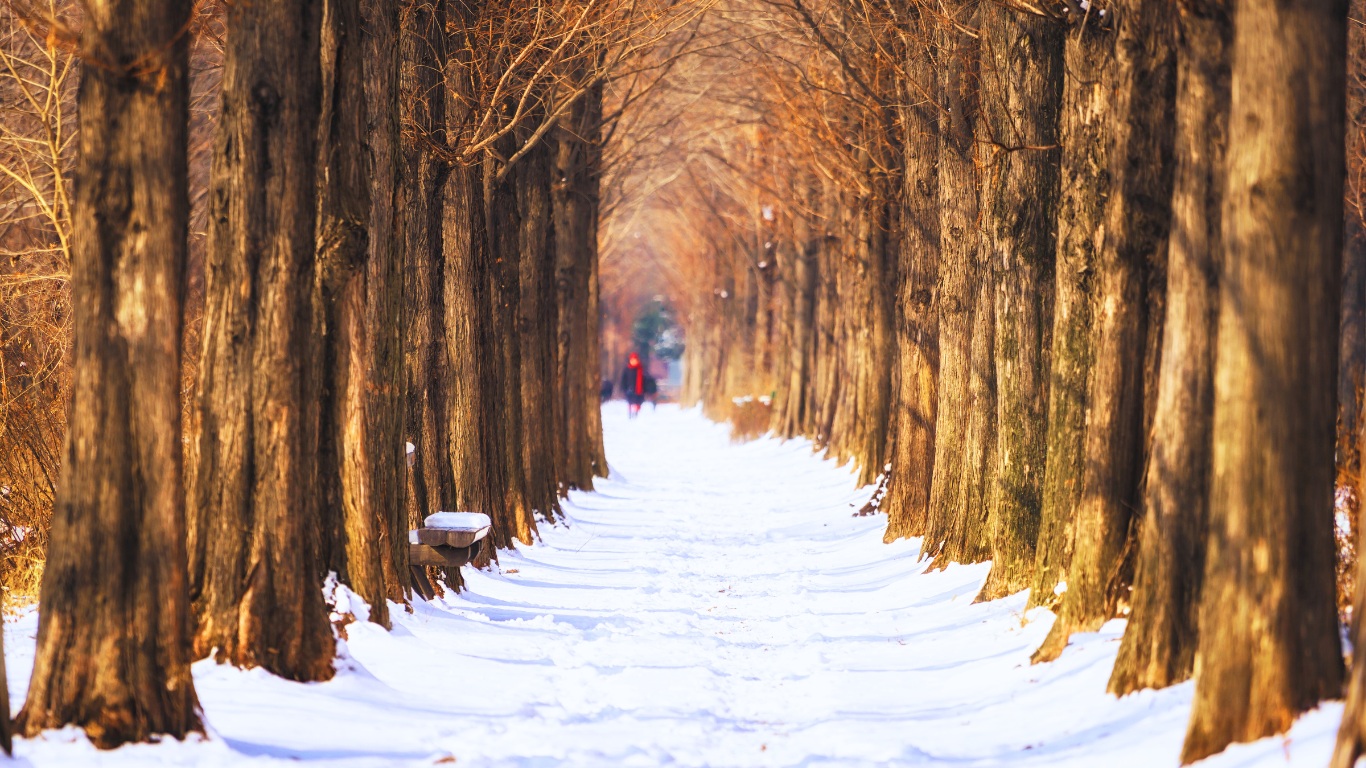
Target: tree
x=912, y=460
x=357, y=303
x=422, y=46
x=1159, y=642
x=114, y=625
x=1268, y=646
x=255, y=567
x=1085, y=176
x=384, y=397
x=1022, y=76
x=965, y=437
x=1135, y=211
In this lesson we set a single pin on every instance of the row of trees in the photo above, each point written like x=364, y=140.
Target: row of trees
x=1064, y=277
x=400, y=203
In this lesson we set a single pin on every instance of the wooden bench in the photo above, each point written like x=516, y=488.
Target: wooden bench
x=446, y=540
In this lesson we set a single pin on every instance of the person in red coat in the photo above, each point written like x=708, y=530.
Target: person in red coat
x=633, y=383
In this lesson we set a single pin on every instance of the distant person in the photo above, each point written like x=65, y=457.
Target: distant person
x=605, y=390
x=651, y=390
x=633, y=384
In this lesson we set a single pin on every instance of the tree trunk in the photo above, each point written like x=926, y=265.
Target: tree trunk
x=879, y=357
x=503, y=228
x=1022, y=77
x=591, y=192
x=384, y=298
x=472, y=431
x=1268, y=647
x=348, y=462
x=912, y=460
x=800, y=279
x=256, y=584
x=114, y=624
x=426, y=366
x=1085, y=172
x=575, y=279
x=1352, y=346
x=1137, y=216
x=962, y=475
x=537, y=319
x=1158, y=649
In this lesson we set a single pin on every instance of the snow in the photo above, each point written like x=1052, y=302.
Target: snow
x=711, y=604
x=458, y=521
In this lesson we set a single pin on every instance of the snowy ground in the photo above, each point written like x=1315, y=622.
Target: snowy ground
x=711, y=605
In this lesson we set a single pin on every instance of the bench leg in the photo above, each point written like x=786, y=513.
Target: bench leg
x=420, y=583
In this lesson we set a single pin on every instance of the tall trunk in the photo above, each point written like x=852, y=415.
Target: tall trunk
x=503, y=228
x=1022, y=77
x=1085, y=173
x=592, y=183
x=256, y=580
x=794, y=275
x=875, y=417
x=1158, y=649
x=1268, y=647
x=1352, y=346
x=114, y=623
x=384, y=297
x=426, y=365
x=963, y=469
x=1137, y=215
x=803, y=279
x=537, y=316
x=828, y=381
x=575, y=226
x=912, y=460
x=472, y=428
x=480, y=479
x=347, y=463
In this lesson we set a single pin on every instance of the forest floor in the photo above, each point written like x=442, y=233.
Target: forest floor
x=711, y=604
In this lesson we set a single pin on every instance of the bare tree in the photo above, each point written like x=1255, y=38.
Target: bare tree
x=255, y=567
x=114, y=622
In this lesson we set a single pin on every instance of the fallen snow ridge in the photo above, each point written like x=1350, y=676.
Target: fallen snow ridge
x=710, y=605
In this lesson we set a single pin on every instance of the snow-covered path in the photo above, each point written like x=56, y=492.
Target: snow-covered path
x=711, y=604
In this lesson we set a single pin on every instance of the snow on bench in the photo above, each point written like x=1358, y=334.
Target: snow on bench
x=451, y=529
x=447, y=539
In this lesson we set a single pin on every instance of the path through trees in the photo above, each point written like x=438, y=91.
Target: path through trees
x=1074, y=286
x=711, y=604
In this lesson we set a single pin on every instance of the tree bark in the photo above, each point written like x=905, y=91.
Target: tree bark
x=1159, y=642
x=1352, y=346
x=592, y=190
x=350, y=463
x=384, y=297
x=878, y=359
x=473, y=439
x=571, y=282
x=1085, y=172
x=1268, y=647
x=1022, y=77
x=577, y=168
x=426, y=366
x=965, y=421
x=536, y=328
x=502, y=225
x=912, y=460
x=256, y=581
x=1136, y=219
x=114, y=624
